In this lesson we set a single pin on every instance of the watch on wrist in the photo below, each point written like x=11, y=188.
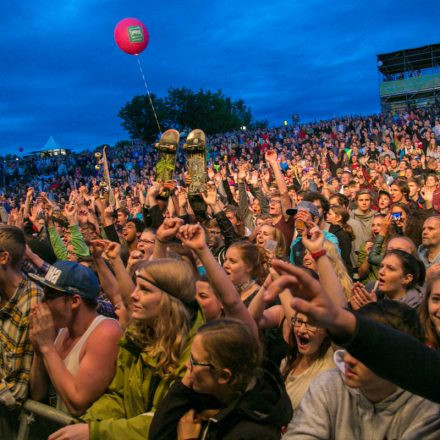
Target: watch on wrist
x=318, y=254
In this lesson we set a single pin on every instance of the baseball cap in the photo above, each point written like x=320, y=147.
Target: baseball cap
x=382, y=191
x=71, y=278
x=304, y=206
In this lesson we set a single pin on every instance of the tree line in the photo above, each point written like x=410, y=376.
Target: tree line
x=184, y=109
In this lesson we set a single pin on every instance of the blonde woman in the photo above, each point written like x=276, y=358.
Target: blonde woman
x=152, y=354
x=267, y=233
x=338, y=267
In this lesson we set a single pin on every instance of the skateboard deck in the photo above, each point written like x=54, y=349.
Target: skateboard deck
x=195, y=146
x=166, y=160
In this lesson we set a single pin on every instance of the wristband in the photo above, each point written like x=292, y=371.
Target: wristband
x=318, y=254
x=161, y=241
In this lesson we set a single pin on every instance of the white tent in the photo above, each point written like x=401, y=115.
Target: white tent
x=51, y=144
x=50, y=148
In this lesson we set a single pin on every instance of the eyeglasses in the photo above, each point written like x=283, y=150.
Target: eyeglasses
x=297, y=322
x=146, y=241
x=193, y=363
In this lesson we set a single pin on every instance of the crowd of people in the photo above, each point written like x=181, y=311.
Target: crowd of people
x=297, y=296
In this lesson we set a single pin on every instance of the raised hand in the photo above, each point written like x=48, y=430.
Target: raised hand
x=170, y=185
x=29, y=193
x=71, y=213
x=210, y=197
x=427, y=194
x=211, y=173
x=193, y=236
x=182, y=197
x=271, y=157
x=113, y=250
x=168, y=229
x=254, y=178
x=35, y=210
x=97, y=248
x=310, y=298
x=83, y=215
x=134, y=257
x=313, y=238
x=242, y=173
x=153, y=190
x=188, y=179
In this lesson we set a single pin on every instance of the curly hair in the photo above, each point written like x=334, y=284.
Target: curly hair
x=166, y=339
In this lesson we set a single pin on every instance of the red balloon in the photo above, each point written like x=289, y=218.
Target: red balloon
x=131, y=36
x=20, y=149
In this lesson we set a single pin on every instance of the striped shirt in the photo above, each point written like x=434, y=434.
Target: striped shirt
x=15, y=347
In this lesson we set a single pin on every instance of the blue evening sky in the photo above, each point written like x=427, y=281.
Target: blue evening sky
x=63, y=75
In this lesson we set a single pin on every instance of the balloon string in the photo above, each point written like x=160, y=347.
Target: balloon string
x=148, y=93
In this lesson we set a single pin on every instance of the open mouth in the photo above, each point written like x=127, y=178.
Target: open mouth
x=303, y=341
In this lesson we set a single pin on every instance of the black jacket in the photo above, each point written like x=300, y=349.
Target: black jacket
x=259, y=413
x=344, y=240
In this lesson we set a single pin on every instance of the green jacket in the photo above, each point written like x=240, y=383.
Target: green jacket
x=126, y=410
x=76, y=238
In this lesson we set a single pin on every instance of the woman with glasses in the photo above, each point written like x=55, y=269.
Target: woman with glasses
x=309, y=355
x=227, y=392
x=309, y=352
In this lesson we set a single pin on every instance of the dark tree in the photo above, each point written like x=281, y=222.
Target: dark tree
x=183, y=108
x=138, y=118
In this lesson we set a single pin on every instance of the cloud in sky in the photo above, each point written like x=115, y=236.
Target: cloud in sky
x=62, y=73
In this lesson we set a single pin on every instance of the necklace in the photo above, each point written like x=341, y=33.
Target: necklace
x=245, y=286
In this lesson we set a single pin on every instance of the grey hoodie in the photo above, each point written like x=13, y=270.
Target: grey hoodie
x=365, y=219
x=332, y=410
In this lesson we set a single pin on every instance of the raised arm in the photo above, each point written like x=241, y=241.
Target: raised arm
x=271, y=158
x=313, y=240
x=193, y=236
x=108, y=282
x=126, y=284
x=385, y=350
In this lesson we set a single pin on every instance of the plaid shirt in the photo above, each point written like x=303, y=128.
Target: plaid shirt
x=15, y=347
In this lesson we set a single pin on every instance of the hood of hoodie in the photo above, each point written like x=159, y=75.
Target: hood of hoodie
x=359, y=215
x=267, y=402
x=391, y=404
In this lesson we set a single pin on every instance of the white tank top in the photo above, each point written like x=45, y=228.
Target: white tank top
x=71, y=361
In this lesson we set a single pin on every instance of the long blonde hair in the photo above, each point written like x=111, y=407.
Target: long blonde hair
x=339, y=267
x=167, y=338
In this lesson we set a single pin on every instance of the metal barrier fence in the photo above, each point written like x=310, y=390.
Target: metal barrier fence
x=31, y=408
